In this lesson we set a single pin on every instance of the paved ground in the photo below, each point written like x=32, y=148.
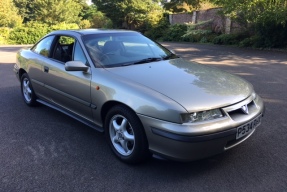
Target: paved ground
x=44, y=150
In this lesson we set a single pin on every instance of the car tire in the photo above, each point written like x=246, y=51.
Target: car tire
x=27, y=90
x=125, y=135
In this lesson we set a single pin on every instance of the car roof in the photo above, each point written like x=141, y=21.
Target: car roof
x=91, y=31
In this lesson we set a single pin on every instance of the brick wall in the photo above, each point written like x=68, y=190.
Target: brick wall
x=180, y=18
x=220, y=23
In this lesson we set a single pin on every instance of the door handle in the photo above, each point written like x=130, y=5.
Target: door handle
x=46, y=69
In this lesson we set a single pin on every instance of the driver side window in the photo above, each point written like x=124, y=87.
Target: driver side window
x=63, y=50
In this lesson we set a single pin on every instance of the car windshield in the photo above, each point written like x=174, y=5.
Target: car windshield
x=123, y=49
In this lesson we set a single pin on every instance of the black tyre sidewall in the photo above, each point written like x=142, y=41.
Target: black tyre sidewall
x=33, y=96
x=141, y=152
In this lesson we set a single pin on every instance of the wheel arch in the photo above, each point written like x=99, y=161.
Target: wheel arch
x=108, y=105
x=21, y=72
x=141, y=151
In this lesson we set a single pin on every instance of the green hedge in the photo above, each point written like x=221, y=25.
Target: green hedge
x=158, y=31
x=4, y=35
x=174, y=33
x=31, y=32
x=271, y=35
x=230, y=39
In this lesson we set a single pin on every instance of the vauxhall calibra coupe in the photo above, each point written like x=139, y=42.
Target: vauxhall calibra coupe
x=144, y=97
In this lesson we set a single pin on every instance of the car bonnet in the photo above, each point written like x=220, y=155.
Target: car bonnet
x=194, y=86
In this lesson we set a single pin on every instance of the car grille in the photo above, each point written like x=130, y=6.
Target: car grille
x=237, y=113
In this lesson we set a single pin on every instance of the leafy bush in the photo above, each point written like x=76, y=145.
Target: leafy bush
x=85, y=24
x=196, y=35
x=174, y=32
x=63, y=26
x=224, y=39
x=249, y=42
x=26, y=35
x=271, y=35
x=198, y=32
x=4, y=35
x=230, y=39
x=31, y=32
x=3, y=41
x=157, y=31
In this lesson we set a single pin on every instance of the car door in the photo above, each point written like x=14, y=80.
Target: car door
x=38, y=56
x=69, y=90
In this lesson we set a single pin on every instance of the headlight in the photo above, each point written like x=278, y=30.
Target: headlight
x=202, y=116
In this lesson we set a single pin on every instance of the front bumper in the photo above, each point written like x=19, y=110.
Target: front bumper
x=16, y=71
x=186, y=142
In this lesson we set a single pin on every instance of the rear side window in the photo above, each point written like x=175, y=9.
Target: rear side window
x=44, y=46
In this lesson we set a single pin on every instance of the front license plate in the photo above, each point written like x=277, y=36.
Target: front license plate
x=248, y=127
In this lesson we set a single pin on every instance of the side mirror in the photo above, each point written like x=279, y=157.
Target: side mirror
x=76, y=66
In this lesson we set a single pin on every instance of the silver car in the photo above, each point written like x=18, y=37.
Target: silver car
x=142, y=96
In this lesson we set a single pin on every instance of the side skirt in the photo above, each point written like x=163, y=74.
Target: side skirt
x=70, y=114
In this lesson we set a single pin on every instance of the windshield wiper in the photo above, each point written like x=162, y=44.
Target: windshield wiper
x=148, y=60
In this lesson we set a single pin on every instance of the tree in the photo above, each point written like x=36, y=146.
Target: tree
x=50, y=11
x=131, y=12
x=25, y=8
x=176, y=6
x=88, y=12
x=96, y=18
x=255, y=11
x=264, y=19
x=84, y=24
x=57, y=11
x=9, y=14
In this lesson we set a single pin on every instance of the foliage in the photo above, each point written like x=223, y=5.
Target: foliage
x=270, y=34
x=178, y=6
x=58, y=11
x=63, y=26
x=4, y=32
x=256, y=11
x=99, y=20
x=230, y=39
x=203, y=27
x=25, y=35
x=9, y=14
x=249, y=41
x=132, y=13
x=175, y=32
x=206, y=4
x=50, y=11
x=4, y=35
x=85, y=24
x=88, y=12
x=198, y=32
x=181, y=32
x=25, y=8
x=154, y=16
x=96, y=18
x=158, y=30
x=182, y=5
x=31, y=32
x=265, y=19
